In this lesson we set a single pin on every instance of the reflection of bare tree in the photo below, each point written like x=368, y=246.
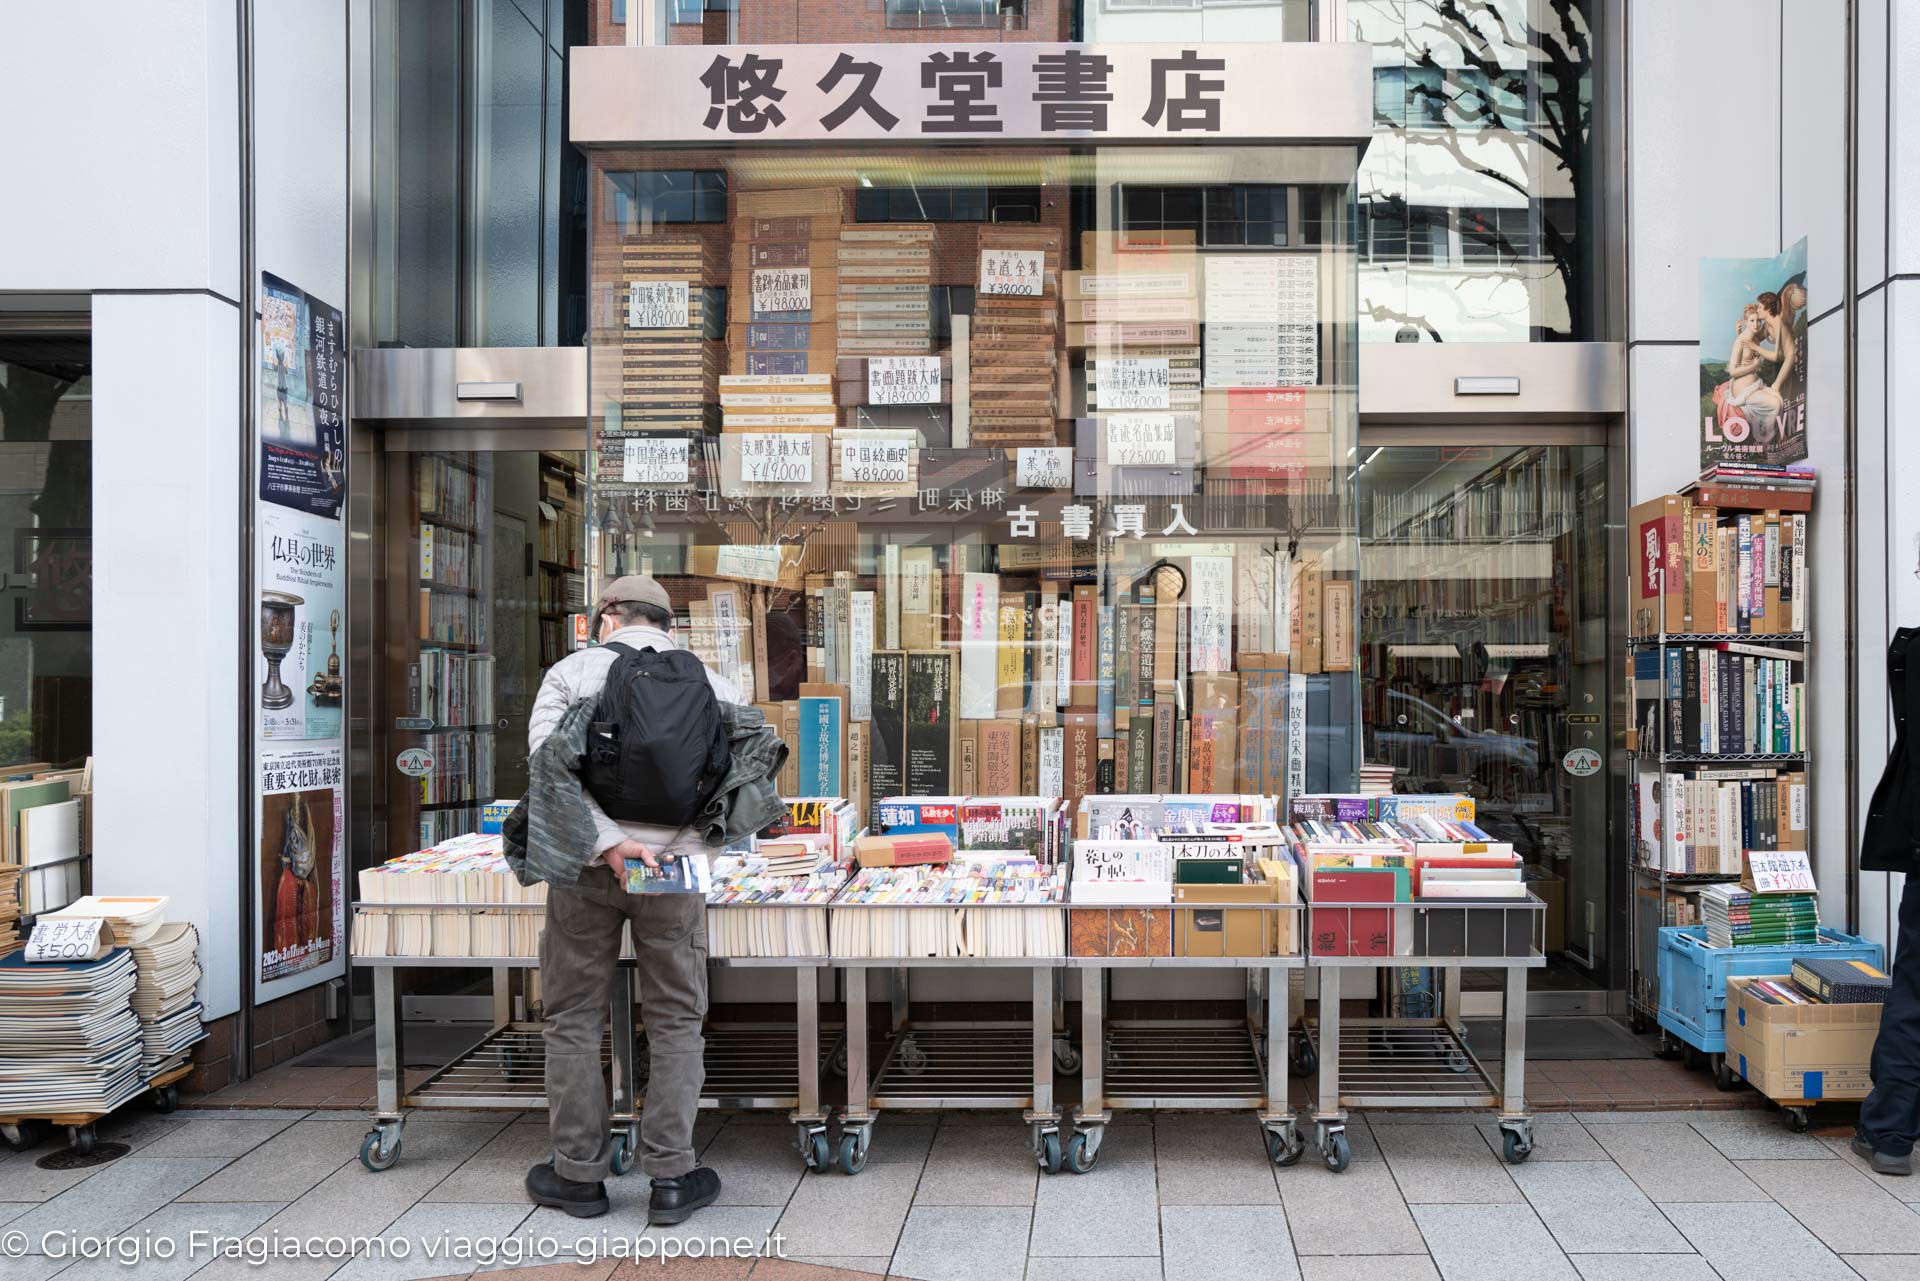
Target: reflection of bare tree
x=1508, y=84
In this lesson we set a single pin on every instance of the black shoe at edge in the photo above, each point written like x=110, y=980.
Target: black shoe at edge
x=547, y=1186
x=675, y=1200
x=1882, y=1162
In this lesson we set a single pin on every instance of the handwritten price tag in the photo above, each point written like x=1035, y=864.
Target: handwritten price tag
x=656, y=304
x=1140, y=440
x=61, y=938
x=876, y=462
x=1045, y=467
x=903, y=380
x=1013, y=273
x=654, y=462
x=776, y=458
x=1135, y=382
x=1780, y=872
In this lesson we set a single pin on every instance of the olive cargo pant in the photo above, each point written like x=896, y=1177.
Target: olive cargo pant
x=579, y=950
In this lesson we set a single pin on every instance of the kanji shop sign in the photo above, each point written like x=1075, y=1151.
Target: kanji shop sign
x=1299, y=92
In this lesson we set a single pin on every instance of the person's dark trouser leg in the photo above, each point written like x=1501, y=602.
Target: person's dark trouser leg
x=578, y=952
x=670, y=942
x=1890, y=1118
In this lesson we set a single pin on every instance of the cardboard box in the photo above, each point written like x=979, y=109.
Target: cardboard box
x=1800, y=1051
x=1660, y=573
x=1204, y=925
x=900, y=851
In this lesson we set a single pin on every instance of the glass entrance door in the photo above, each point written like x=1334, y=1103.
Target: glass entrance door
x=1484, y=663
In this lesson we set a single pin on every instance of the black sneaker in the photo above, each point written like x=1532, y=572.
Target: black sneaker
x=547, y=1186
x=674, y=1200
x=1882, y=1162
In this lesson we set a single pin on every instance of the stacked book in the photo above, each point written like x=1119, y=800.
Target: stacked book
x=1003, y=905
x=776, y=430
x=783, y=300
x=168, y=968
x=1738, y=917
x=9, y=908
x=886, y=300
x=1746, y=485
x=455, y=898
x=773, y=902
x=69, y=1038
x=1012, y=356
x=667, y=361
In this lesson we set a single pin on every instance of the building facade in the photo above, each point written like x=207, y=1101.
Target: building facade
x=422, y=324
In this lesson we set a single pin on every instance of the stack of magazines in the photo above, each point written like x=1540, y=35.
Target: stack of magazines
x=1738, y=917
x=771, y=905
x=457, y=898
x=1006, y=906
x=69, y=1041
x=166, y=971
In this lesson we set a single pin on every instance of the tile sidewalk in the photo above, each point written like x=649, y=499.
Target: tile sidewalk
x=1688, y=1195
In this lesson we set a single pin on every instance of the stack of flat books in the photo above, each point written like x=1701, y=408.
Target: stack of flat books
x=1012, y=353
x=1738, y=917
x=69, y=1040
x=168, y=970
x=9, y=908
x=886, y=306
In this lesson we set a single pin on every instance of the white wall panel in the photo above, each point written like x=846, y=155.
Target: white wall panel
x=1813, y=121
x=115, y=111
x=1701, y=148
x=1826, y=574
x=1903, y=177
x=166, y=534
x=1664, y=392
x=300, y=131
x=1873, y=497
x=1874, y=19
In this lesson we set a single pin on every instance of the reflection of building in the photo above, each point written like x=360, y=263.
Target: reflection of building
x=1488, y=289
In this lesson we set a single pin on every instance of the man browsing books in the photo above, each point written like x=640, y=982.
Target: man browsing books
x=632, y=745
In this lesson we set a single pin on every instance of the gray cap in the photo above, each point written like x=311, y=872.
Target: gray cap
x=640, y=588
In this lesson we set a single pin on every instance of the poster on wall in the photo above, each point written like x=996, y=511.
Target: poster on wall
x=300, y=869
x=302, y=566
x=1753, y=360
x=302, y=426
x=299, y=685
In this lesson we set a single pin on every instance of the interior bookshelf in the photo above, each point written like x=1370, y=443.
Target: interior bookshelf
x=560, y=545
x=1720, y=639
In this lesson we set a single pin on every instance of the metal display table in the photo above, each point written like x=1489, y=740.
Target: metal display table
x=1426, y=1062
x=504, y=1069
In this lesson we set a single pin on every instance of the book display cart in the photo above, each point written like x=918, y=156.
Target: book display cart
x=1719, y=614
x=1426, y=1062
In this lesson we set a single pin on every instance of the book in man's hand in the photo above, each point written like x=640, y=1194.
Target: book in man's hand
x=673, y=876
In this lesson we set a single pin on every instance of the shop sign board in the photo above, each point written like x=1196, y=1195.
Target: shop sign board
x=1123, y=92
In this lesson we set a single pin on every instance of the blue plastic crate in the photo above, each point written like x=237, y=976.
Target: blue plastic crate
x=1693, y=977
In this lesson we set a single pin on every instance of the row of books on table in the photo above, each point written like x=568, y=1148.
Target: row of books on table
x=1022, y=877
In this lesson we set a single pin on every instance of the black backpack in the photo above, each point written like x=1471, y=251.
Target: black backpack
x=657, y=750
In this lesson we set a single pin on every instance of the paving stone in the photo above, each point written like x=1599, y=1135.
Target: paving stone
x=1907, y=1189
x=1112, y=1211
x=176, y=1223
x=1443, y=1164
x=1097, y=1268
x=227, y=1137
x=1592, y=1207
x=1643, y=1267
x=1359, y=1212
x=119, y=1194
x=1671, y=1162
x=437, y=1240
x=1884, y=1267
x=1749, y=1138
x=730, y=1222
x=1557, y=1136
x=1208, y=1242
x=285, y=1166
x=860, y=1265
x=980, y=1165
x=963, y=1243
x=1212, y=1159
x=31, y=1267
x=1849, y=1211
x=835, y=1214
x=1756, y=1241
x=1491, y=1243
x=757, y=1166
x=1373, y=1267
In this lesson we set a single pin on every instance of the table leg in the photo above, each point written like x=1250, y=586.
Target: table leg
x=389, y=1042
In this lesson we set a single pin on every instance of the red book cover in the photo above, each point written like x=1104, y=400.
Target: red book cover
x=1356, y=932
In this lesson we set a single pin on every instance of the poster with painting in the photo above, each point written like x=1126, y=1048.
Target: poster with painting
x=1753, y=360
x=301, y=915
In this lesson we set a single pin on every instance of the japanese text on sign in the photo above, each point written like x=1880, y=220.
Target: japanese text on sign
x=903, y=380
x=782, y=289
x=876, y=462
x=1135, y=382
x=58, y=938
x=1781, y=872
x=1140, y=440
x=657, y=304
x=1047, y=467
x=776, y=458
x=653, y=462
x=1017, y=273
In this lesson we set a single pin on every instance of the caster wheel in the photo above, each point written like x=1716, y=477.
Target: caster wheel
x=1517, y=1148
x=81, y=1138
x=815, y=1154
x=1338, y=1153
x=1280, y=1153
x=838, y=1063
x=623, y=1153
x=1078, y=1158
x=1637, y=1024
x=1050, y=1153
x=1798, y=1120
x=23, y=1135
x=1689, y=1057
x=373, y=1157
x=1666, y=1049
x=1304, y=1061
x=1066, y=1058
x=166, y=1099
x=1723, y=1076
x=853, y=1158
x=913, y=1059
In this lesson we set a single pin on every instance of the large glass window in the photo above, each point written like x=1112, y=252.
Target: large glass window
x=1476, y=193
x=46, y=540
